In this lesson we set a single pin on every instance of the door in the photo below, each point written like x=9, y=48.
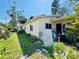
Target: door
x=59, y=28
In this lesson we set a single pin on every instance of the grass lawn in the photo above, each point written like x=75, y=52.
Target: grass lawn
x=10, y=47
x=16, y=45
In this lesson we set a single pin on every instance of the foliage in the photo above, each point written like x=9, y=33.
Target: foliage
x=12, y=14
x=28, y=43
x=59, y=47
x=11, y=28
x=58, y=9
x=63, y=11
x=21, y=17
x=21, y=31
x=55, y=6
x=8, y=27
x=70, y=52
x=50, y=50
x=74, y=1
x=59, y=57
x=77, y=9
x=73, y=30
x=68, y=19
x=31, y=17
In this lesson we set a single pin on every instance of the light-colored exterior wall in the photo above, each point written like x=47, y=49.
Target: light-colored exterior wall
x=38, y=25
x=39, y=29
x=35, y=25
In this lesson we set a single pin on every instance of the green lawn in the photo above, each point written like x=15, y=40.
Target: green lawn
x=16, y=45
x=10, y=48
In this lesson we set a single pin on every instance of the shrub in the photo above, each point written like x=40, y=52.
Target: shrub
x=59, y=47
x=72, y=54
x=69, y=52
x=50, y=50
x=38, y=45
x=21, y=31
x=14, y=30
x=35, y=38
x=22, y=21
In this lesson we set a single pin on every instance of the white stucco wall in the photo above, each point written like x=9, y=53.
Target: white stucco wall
x=46, y=33
x=40, y=31
x=35, y=28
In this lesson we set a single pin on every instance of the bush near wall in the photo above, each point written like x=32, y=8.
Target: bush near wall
x=69, y=52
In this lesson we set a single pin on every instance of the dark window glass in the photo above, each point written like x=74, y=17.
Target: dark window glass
x=48, y=26
x=31, y=28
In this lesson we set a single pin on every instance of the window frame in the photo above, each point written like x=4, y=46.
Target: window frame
x=48, y=26
x=31, y=28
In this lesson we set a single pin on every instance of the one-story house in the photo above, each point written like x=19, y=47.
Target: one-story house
x=43, y=28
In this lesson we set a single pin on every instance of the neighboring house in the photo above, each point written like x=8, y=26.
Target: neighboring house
x=43, y=26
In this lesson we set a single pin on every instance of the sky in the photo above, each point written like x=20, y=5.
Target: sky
x=30, y=7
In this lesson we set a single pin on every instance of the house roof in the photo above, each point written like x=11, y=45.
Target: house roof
x=57, y=18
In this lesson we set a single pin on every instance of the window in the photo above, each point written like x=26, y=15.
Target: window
x=48, y=26
x=31, y=28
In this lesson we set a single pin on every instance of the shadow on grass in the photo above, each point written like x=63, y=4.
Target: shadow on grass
x=27, y=43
